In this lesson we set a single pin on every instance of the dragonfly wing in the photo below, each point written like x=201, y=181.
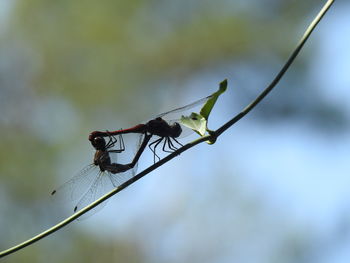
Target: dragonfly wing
x=139, y=142
x=185, y=132
x=100, y=186
x=75, y=188
x=120, y=178
x=175, y=115
x=183, y=109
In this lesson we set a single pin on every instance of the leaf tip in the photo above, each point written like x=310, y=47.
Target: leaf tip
x=223, y=85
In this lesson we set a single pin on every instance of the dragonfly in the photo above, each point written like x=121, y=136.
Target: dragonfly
x=104, y=174
x=97, y=178
x=167, y=132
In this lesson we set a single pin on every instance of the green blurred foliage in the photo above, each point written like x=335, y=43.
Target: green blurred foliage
x=96, y=54
x=94, y=48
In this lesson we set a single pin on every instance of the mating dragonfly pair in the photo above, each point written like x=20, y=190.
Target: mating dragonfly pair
x=104, y=174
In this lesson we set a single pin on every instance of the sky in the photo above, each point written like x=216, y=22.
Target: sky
x=268, y=188
x=301, y=173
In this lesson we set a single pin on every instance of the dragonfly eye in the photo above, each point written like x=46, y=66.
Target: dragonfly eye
x=99, y=143
x=176, y=130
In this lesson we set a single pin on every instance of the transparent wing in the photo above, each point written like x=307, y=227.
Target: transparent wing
x=103, y=184
x=175, y=115
x=74, y=188
x=171, y=114
x=100, y=186
x=138, y=145
x=185, y=131
x=139, y=142
x=132, y=147
x=120, y=178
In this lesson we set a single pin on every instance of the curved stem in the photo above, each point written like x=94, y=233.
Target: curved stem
x=280, y=74
x=212, y=137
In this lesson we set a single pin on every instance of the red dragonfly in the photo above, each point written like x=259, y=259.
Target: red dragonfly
x=97, y=178
x=104, y=174
x=166, y=131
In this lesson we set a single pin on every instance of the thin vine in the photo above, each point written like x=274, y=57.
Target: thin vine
x=213, y=135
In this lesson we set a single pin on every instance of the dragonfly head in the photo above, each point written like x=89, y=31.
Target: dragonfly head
x=99, y=143
x=176, y=130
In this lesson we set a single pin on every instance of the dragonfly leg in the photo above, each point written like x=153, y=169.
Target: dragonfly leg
x=121, y=143
x=164, y=144
x=171, y=145
x=167, y=143
x=112, y=140
x=156, y=143
x=109, y=143
x=177, y=142
x=115, y=151
x=120, y=168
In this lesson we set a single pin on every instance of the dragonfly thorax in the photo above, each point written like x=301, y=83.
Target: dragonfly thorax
x=161, y=128
x=102, y=159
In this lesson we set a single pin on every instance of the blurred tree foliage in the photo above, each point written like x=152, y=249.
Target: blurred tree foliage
x=99, y=53
x=94, y=48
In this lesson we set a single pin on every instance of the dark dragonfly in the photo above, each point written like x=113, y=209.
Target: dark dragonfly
x=164, y=128
x=97, y=178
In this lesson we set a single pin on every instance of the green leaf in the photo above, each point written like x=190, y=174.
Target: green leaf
x=195, y=122
x=208, y=106
x=198, y=122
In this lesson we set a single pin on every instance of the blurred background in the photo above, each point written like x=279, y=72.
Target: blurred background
x=273, y=188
